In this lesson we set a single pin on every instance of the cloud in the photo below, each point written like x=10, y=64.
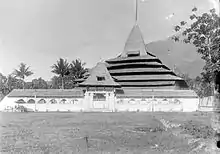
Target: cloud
x=215, y=5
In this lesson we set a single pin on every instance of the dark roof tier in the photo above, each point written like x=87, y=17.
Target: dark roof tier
x=128, y=78
x=140, y=71
x=147, y=83
x=146, y=58
x=136, y=65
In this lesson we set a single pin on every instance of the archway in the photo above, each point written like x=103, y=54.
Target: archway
x=20, y=101
x=42, y=101
x=63, y=101
x=53, y=101
x=31, y=101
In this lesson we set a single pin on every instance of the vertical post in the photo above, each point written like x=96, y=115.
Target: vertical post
x=35, y=105
x=136, y=12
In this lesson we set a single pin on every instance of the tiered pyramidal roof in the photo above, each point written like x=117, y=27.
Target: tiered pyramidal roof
x=136, y=67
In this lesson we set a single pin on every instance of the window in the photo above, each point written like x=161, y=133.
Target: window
x=100, y=78
x=133, y=53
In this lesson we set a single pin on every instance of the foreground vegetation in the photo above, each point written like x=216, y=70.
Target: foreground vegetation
x=153, y=133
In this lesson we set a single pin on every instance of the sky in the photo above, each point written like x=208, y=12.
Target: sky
x=39, y=32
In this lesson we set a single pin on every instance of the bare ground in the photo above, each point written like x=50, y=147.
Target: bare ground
x=153, y=133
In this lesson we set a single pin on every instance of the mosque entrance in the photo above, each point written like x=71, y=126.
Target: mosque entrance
x=100, y=101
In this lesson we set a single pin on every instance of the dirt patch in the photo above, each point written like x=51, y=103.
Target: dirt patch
x=149, y=129
x=197, y=130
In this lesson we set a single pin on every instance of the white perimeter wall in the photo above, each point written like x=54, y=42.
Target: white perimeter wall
x=124, y=104
x=166, y=105
x=71, y=104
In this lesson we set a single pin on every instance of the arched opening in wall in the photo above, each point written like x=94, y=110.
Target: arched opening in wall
x=176, y=101
x=63, y=101
x=132, y=101
x=20, y=101
x=42, y=101
x=53, y=101
x=31, y=101
x=164, y=99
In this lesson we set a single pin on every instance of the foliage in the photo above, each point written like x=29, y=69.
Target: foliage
x=3, y=81
x=77, y=69
x=7, y=84
x=204, y=34
x=61, y=68
x=22, y=72
x=56, y=82
x=198, y=84
x=67, y=73
x=39, y=84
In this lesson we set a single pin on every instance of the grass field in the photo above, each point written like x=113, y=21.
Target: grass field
x=153, y=133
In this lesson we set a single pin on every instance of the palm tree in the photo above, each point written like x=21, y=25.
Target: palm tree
x=61, y=68
x=77, y=69
x=22, y=72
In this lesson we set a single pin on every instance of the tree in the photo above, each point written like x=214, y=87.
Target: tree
x=56, y=82
x=3, y=86
x=199, y=84
x=77, y=69
x=61, y=68
x=204, y=34
x=22, y=72
x=7, y=84
x=39, y=84
x=14, y=83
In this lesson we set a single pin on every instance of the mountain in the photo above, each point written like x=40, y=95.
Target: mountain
x=183, y=56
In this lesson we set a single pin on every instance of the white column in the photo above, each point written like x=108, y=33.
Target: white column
x=88, y=100
x=112, y=101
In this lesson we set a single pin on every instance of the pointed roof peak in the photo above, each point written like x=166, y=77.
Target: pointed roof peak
x=99, y=76
x=135, y=43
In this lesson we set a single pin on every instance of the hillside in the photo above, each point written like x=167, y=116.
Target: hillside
x=183, y=56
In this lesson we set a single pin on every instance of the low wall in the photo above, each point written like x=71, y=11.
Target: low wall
x=54, y=107
x=121, y=104
x=9, y=102
x=206, y=104
x=157, y=104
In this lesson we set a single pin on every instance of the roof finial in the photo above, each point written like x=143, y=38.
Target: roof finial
x=136, y=12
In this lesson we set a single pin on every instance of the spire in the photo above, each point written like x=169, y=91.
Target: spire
x=135, y=43
x=136, y=11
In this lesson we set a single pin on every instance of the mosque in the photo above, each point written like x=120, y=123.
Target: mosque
x=136, y=80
